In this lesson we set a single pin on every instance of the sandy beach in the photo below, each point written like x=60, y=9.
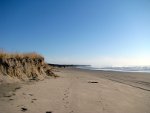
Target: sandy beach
x=79, y=91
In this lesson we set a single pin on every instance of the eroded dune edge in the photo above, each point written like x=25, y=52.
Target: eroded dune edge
x=25, y=67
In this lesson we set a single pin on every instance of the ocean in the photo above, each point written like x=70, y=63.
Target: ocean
x=120, y=69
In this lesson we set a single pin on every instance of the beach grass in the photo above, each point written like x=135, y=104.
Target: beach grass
x=32, y=55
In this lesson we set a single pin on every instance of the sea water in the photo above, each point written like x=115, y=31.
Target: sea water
x=122, y=69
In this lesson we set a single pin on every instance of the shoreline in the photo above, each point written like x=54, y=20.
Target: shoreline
x=135, y=79
x=114, y=70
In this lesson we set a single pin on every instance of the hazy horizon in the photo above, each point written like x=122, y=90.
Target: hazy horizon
x=98, y=32
x=104, y=62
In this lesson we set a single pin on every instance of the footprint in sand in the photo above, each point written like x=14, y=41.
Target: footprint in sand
x=65, y=99
x=11, y=99
x=31, y=94
x=67, y=102
x=32, y=101
x=24, y=109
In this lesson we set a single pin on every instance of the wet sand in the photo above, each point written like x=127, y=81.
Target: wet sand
x=80, y=91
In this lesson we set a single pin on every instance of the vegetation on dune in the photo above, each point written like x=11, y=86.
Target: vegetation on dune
x=24, y=65
x=31, y=55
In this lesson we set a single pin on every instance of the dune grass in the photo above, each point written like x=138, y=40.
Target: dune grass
x=32, y=55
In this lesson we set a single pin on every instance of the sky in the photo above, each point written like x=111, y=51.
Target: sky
x=95, y=32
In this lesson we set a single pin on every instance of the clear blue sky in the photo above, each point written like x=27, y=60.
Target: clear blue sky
x=98, y=32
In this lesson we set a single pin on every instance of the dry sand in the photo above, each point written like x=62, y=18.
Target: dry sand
x=80, y=91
